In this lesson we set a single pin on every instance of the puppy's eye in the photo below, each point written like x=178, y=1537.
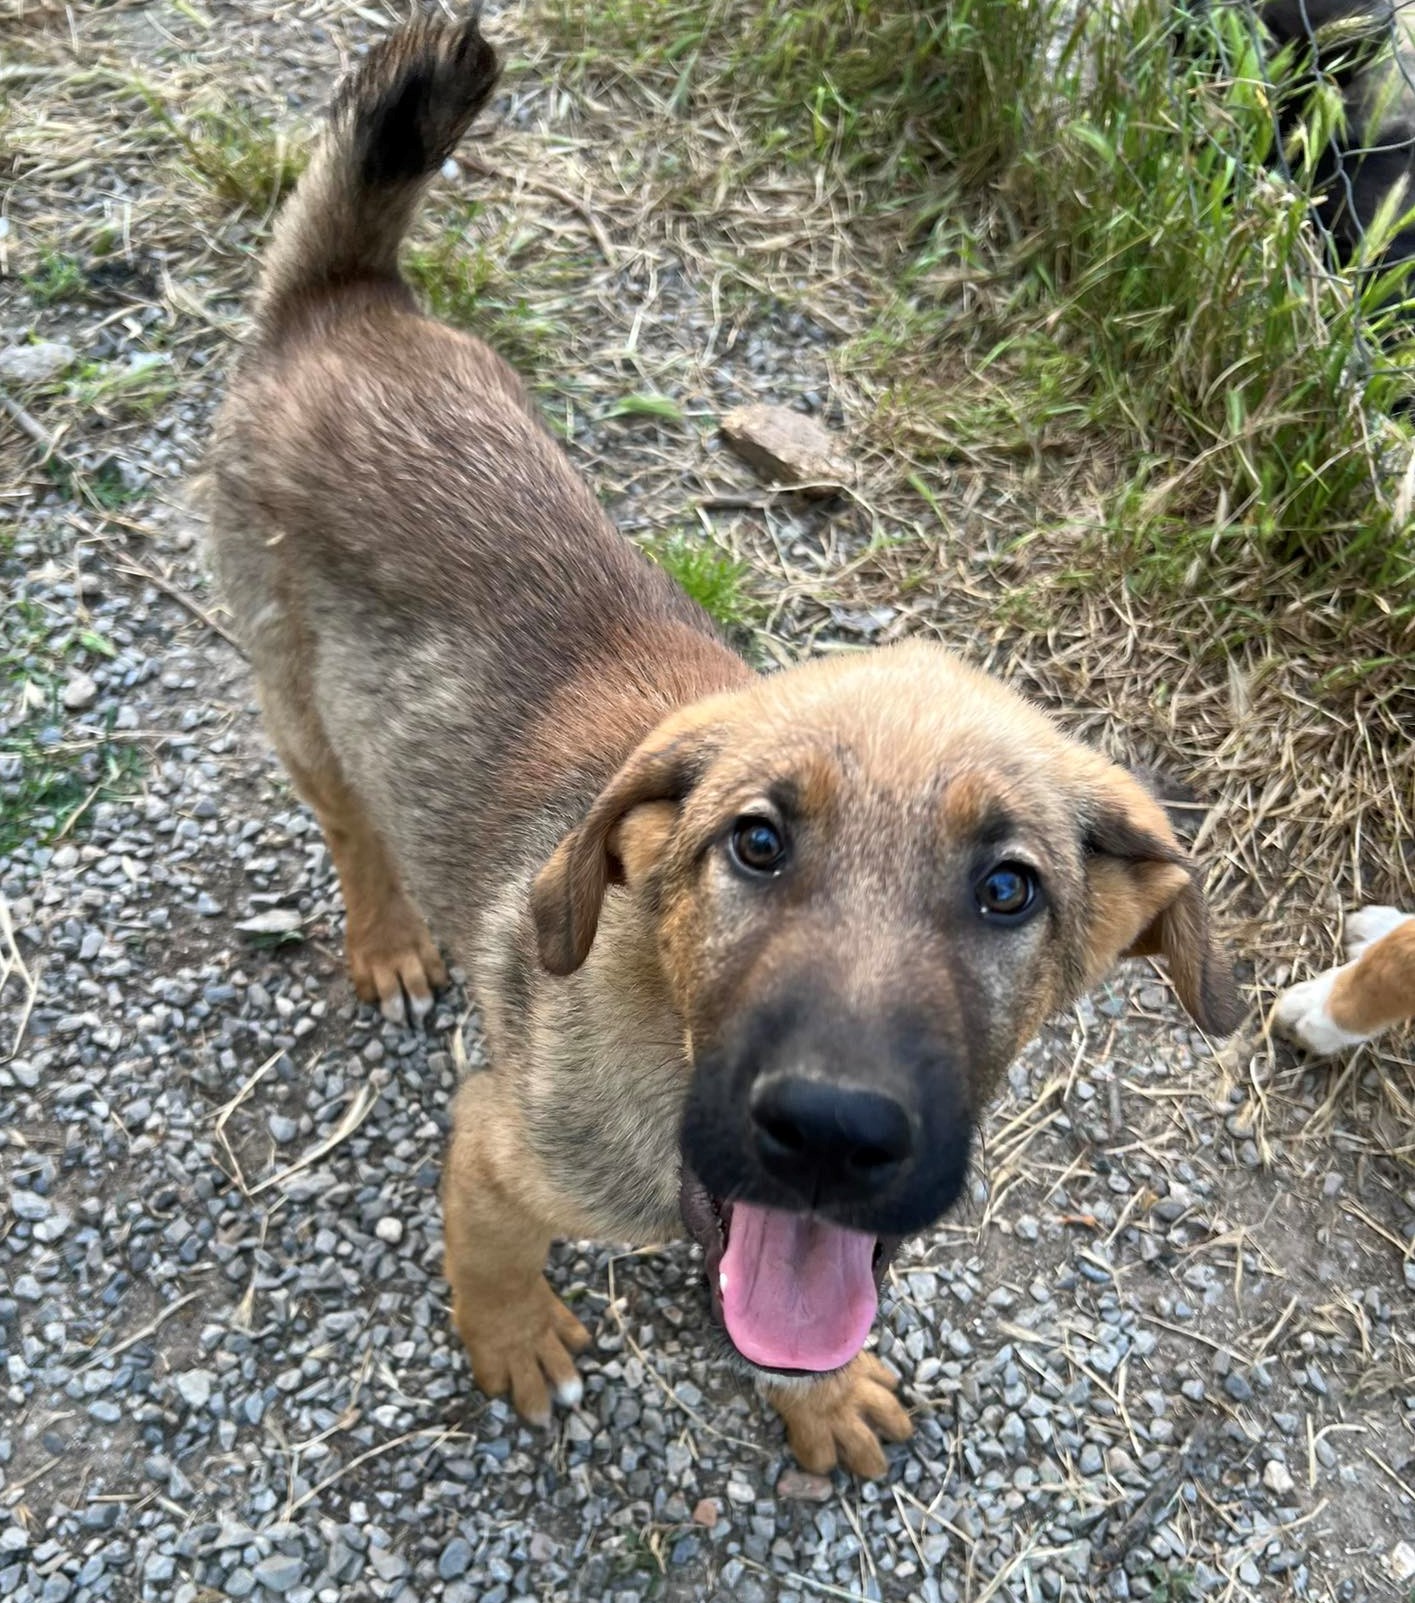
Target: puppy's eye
x=1008, y=893
x=757, y=845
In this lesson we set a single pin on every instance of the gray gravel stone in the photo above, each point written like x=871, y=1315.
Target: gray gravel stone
x=455, y=1559
x=279, y=1572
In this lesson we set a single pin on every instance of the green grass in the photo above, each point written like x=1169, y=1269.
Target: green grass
x=124, y=390
x=47, y=774
x=1080, y=264
x=236, y=152
x=59, y=277
x=484, y=284
x=713, y=578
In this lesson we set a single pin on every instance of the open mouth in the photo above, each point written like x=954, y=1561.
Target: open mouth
x=794, y=1292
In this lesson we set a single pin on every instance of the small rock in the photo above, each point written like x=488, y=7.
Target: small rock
x=283, y=1128
x=389, y=1229
x=785, y=446
x=1278, y=1478
x=705, y=1514
x=1401, y=1562
x=33, y=364
x=456, y=1557
x=195, y=1387
x=273, y=921
x=798, y=1485
x=279, y=1572
x=1238, y=1388
x=29, y=1205
x=80, y=692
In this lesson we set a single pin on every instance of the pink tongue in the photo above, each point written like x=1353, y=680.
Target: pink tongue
x=797, y=1293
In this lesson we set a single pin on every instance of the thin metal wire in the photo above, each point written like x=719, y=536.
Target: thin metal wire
x=1380, y=123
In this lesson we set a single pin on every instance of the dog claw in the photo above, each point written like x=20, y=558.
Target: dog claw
x=524, y=1346
x=843, y=1418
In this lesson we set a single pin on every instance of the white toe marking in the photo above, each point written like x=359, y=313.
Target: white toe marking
x=1302, y=1012
x=391, y=1008
x=421, y=1005
x=1371, y=924
x=570, y=1393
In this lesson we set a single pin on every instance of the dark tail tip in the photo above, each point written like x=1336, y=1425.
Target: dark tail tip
x=426, y=87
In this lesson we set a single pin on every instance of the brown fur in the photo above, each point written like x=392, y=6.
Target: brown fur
x=1377, y=991
x=512, y=724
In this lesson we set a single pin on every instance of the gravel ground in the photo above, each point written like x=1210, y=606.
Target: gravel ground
x=1164, y=1350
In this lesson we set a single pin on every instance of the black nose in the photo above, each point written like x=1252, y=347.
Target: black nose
x=825, y=1140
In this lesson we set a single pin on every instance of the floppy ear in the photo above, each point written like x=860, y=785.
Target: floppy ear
x=569, y=891
x=1146, y=900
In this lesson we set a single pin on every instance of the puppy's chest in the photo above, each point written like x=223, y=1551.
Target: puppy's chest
x=604, y=1109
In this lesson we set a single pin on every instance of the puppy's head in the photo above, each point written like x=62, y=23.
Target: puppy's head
x=872, y=879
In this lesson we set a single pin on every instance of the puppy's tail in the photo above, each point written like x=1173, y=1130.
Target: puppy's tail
x=394, y=121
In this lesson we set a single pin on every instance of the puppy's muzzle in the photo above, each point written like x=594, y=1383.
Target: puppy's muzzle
x=859, y=1119
x=829, y=1141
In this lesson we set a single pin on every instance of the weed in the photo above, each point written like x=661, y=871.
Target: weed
x=238, y=153
x=470, y=281
x=59, y=277
x=659, y=406
x=122, y=390
x=713, y=578
x=1171, y=1584
x=45, y=778
x=105, y=488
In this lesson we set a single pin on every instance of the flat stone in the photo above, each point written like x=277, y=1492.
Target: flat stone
x=787, y=447
x=33, y=364
x=195, y=1387
x=279, y=1572
x=1278, y=1478
x=29, y=1205
x=798, y=1486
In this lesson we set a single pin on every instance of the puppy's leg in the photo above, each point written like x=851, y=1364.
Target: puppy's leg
x=842, y=1417
x=518, y=1334
x=392, y=959
x=1375, y=990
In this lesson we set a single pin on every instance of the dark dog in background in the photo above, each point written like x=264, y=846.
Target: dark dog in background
x=750, y=952
x=1366, y=50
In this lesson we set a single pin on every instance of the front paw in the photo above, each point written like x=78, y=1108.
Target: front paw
x=1367, y=925
x=1303, y=1014
x=842, y=1418
x=394, y=963
x=523, y=1345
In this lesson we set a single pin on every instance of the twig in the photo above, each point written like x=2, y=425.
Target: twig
x=31, y=426
x=439, y=1434
x=130, y=564
x=225, y=1113
x=147, y=1330
x=15, y=963
x=354, y=1115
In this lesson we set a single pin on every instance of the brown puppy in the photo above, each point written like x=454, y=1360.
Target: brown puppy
x=750, y=952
